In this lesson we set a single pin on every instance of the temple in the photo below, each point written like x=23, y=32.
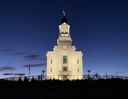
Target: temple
x=64, y=62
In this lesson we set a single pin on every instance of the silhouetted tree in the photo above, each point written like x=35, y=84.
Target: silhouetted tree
x=96, y=76
x=33, y=79
x=39, y=77
x=19, y=79
x=25, y=79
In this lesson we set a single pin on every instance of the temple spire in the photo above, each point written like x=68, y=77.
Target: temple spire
x=64, y=27
x=64, y=19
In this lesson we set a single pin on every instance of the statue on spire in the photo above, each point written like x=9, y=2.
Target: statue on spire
x=64, y=13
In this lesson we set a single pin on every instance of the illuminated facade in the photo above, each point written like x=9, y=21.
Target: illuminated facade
x=64, y=62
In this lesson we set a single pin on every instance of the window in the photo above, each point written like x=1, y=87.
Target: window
x=64, y=59
x=77, y=69
x=51, y=61
x=65, y=69
x=51, y=70
x=77, y=61
x=65, y=77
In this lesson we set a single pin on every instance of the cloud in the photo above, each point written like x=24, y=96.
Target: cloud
x=33, y=57
x=7, y=68
x=20, y=53
x=18, y=74
x=8, y=50
x=7, y=74
x=33, y=65
x=13, y=51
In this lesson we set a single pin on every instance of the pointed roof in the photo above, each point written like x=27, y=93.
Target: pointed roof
x=64, y=19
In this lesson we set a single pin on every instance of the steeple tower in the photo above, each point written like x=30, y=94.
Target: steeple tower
x=64, y=27
x=64, y=31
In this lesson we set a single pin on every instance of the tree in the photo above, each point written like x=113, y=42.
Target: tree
x=33, y=79
x=39, y=77
x=19, y=79
x=25, y=79
x=97, y=76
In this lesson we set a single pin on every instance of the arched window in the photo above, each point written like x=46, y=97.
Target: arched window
x=77, y=61
x=64, y=59
x=65, y=68
x=77, y=69
x=51, y=61
x=51, y=69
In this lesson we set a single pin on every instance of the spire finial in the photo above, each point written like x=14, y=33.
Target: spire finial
x=64, y=13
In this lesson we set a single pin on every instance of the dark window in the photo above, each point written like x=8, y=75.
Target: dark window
x=51, y=61
x=65, y=69
x=77, y=61
x=51, y=70
x=77, y=69
x=64, y=59
x=65, y=77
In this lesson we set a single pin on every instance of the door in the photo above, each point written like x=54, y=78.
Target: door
x=65, y=77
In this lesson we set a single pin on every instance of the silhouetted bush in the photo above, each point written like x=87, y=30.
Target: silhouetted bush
x=75, y=89
x=26, y=79
x=33, y=79
x=20, y=79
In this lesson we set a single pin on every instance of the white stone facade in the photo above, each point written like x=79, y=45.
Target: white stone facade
x=64, y=62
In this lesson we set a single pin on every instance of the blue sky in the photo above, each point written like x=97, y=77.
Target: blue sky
x=29, y=28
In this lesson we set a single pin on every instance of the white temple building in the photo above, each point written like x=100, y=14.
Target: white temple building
x=64, y=62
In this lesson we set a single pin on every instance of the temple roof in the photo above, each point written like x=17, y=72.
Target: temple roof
x=64, y=19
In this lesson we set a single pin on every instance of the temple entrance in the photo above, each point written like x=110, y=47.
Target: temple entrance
x=64, y=77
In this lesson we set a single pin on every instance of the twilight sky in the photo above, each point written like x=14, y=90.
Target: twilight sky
x=29, y=28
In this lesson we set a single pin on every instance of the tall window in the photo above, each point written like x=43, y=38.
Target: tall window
x=51, y=61
x=77, y=69
x=77, y=61
x=51, y=69
x=64, y=59
x=65, y=69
